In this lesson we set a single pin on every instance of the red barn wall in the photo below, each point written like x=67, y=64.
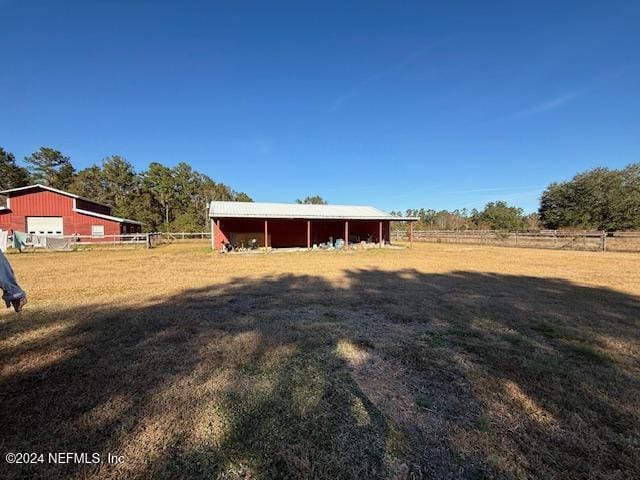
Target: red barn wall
x=288, y=233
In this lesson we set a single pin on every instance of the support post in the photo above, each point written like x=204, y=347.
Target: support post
x=410, y=234
x=266, y=235
x=213, y=235
x=219, y=229
x=308, y=234
x=346, y=234
x=380, y=233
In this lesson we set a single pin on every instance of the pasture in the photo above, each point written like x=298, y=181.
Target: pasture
x=443, y=361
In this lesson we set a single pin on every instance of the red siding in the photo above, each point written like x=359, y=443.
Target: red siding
x=43, y=203
x=293, y=233
x=40, y=203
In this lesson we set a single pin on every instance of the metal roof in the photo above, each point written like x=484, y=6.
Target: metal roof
x=298, y=210
x=51, y=189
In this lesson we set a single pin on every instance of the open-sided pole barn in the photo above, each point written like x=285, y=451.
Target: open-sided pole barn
x=282, y=225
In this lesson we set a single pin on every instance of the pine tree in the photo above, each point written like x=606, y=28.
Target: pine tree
x=50, y=167
x=11, y=175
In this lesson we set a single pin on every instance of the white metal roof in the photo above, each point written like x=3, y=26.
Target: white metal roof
x=297, y=210
x=51, y=189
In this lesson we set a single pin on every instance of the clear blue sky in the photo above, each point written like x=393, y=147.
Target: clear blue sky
x=394, y=104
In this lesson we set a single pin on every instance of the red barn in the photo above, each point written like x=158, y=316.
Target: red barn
x=297, y=225
x=38, y=209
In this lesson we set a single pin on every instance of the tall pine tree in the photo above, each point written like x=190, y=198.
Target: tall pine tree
x=50, y=167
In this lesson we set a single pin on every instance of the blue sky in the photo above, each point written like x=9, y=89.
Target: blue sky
x=395, y=104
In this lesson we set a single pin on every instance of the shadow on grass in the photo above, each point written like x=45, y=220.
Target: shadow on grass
x=396, y=375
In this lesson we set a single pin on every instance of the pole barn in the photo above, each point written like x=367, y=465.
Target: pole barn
x=283, y=225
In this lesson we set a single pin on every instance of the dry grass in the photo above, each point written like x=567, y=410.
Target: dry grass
x=443, y=361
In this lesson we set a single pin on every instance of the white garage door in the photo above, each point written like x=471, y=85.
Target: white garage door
x=44, y=225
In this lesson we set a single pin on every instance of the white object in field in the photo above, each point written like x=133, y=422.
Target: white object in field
x=58, y=244
x=38, y=241
x=4, y=235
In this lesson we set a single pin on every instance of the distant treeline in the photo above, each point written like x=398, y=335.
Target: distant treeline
x=175, y=199
x=164, y=198
x=599, y=199
x=495, y=216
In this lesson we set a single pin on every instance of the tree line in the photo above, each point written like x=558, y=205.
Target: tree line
x=598, y=199
x=163, y=198
x=496, y=215
x=176, y=199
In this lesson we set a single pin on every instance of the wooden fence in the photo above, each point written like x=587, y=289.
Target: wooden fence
x=552, y=239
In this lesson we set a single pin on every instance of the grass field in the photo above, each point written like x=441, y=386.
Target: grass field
x=443, y=361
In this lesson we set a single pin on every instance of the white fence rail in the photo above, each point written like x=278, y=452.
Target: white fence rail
x=132, y=239
x=551, y=239
x=184, y=236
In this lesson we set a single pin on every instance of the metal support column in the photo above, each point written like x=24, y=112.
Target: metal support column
x=346, y=234
x=266, y=235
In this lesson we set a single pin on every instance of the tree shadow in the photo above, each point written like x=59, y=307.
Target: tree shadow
x=388, y=375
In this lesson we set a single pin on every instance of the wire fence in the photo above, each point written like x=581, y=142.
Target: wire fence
x=71, y=242
x=37, y=242
x=595, y=241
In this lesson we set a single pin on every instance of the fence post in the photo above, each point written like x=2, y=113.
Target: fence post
x=603, y=241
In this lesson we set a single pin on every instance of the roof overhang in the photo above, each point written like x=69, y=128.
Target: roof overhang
x=106, y=217
x=51, y=189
